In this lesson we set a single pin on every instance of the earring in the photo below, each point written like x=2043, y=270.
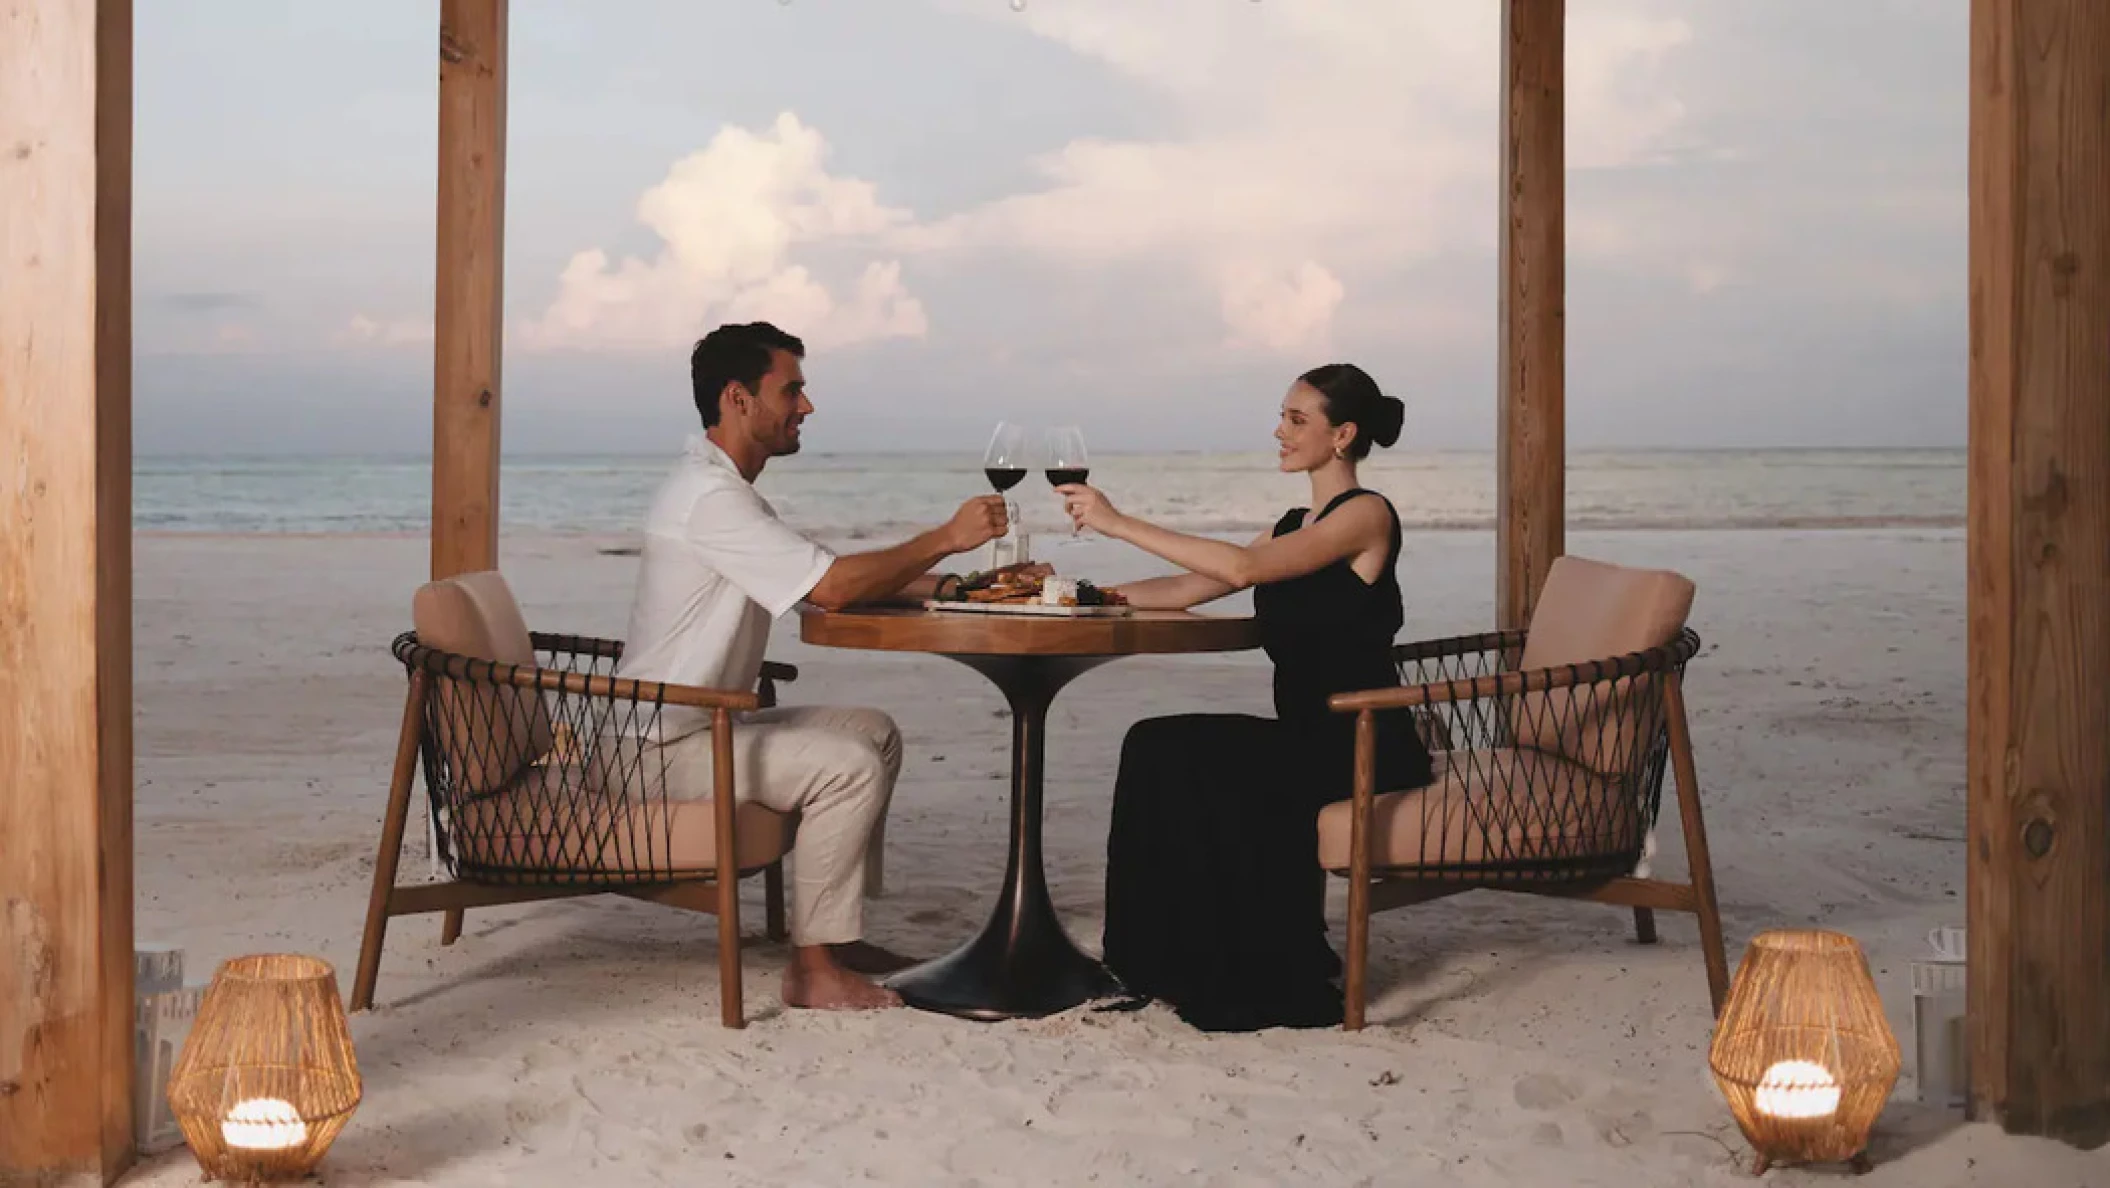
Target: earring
x=1340, y=454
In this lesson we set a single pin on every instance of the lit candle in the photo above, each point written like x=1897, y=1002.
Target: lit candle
x=1798, y=1089
x=263, y=1124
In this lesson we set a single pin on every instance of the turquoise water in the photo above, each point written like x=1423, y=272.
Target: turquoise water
x=857, y=496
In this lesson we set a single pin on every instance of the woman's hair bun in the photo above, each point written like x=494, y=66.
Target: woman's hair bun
x=1386, y=420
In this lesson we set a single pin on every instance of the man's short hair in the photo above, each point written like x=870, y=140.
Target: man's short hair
x=734, y=354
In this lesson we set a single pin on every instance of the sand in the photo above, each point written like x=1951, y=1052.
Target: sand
x=1513, y=1040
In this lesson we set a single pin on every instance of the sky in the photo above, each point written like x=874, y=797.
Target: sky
x=1144, y=219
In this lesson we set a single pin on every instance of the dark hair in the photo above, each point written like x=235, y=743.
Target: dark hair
x=1352, y=398
x=735, y=354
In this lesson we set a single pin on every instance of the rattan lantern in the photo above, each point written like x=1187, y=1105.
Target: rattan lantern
x=1803, y=1051
x=268, y=1077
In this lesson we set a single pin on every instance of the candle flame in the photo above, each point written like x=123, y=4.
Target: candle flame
x=1798, y=1089
x=264, y=1124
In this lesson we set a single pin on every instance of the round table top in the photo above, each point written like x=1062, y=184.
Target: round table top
x=914, y=629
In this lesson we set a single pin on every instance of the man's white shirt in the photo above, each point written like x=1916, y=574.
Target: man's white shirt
x=717, y=567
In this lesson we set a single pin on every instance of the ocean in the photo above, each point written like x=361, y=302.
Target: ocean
x=868, y=496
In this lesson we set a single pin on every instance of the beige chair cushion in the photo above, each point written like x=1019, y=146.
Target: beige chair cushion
x=522, y=797
x=1590, y=610
x=487, y=734
x=539, y=824
x=1488, y=806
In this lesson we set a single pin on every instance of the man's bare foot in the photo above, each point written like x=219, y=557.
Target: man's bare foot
x=867, y=958
x=816, y=981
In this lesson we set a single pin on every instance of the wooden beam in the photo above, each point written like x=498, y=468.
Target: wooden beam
x=469, y=291
x=2039, y=567
x=1531, y=431
x=65, y=590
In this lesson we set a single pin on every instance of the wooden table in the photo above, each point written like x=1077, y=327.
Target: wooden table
x=1022, y=963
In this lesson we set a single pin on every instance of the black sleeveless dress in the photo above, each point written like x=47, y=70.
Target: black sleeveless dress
x=1215, y=902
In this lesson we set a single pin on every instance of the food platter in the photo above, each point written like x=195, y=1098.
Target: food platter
x=1013, y=593
x=1029, y=608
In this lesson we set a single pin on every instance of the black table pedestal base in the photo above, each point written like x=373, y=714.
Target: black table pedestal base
x=1022, y=964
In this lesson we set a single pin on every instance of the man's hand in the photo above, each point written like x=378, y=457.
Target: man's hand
x=888, y=573
x=979, y=521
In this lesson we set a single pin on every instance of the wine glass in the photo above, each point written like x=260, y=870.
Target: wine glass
x=1067, y=462
x=1004, y=462
x=1004, y=465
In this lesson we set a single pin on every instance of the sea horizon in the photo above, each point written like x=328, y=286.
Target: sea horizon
x=854, y=496
x=1574, y=451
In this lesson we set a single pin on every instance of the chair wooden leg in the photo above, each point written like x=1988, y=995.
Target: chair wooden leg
x=1645, y=925
x=1709, y=909
x=773, y=901
x=733, y=1012
x=1359, y=872
x=391, y=853
x=1358, y=952
x=451, y=927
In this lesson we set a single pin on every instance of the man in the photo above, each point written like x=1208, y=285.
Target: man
x=716, y=568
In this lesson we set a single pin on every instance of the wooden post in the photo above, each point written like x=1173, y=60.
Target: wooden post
x=2039, y=568
x=1531, y=432
x=65, y=590
x=469, y=291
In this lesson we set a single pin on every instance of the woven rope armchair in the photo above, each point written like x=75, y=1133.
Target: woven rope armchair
x=1550, y=749
x=542, y=781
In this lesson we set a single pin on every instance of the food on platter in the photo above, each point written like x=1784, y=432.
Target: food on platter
x=1011, y=587
x=1001, y=586
x=1077, y=592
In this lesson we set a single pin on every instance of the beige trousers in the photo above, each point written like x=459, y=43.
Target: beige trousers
x=835, y=768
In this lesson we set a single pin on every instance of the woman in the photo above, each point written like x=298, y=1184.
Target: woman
x=1215, y=902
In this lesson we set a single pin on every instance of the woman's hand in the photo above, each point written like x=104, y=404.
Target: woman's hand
x=1088, y=508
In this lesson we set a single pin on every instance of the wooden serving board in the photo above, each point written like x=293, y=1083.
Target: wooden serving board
x=1030, y=608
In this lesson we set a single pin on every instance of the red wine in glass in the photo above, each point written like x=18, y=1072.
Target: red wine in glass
x=1004, y=462
x=1066, y=459
x=1004, y=465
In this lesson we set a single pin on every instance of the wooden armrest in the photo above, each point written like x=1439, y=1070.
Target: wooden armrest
x=1458, y=645
x=419, y=658
x=579, y=645
x=621, y=689
x=1666, y=658
x=585, y=685
x=1504, y=684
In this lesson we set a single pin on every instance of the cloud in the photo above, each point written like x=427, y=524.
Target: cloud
x=1313, y=172
x=1622, y=110
x=366, y=331
x=1286, y=312
x=1313, y=145
x=736, y=224
x=207, y=302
